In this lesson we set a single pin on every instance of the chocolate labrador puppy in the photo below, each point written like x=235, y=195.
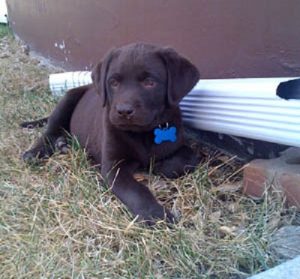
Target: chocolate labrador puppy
x=128, y=117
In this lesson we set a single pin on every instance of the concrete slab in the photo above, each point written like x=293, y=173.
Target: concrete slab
x=287, y=270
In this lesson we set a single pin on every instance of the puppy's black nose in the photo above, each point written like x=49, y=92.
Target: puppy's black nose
x=125, y=110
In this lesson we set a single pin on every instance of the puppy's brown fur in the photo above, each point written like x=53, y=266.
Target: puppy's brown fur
x=136, y=89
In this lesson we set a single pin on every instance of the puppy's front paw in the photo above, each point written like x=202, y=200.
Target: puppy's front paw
x=33, y=155
x=155, y=214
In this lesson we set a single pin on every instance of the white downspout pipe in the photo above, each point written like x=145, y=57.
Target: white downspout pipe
x=241, y=107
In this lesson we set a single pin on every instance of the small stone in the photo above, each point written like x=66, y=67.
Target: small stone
x=227, y=188
x=215, y=216
x=4, y=55
x=25, y=49
x=233, y=207
x=283, y=173
x=285, y=243
x=232, y=231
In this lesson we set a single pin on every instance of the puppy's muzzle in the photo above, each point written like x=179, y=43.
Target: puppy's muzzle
x=125, y=111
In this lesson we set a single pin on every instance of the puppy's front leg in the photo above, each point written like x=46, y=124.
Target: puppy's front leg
x=136, y=196
x=181, y=162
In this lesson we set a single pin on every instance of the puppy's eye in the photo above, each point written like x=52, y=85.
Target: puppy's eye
x=149, y=82
x=114, y=82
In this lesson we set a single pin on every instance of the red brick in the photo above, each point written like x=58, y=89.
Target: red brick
x=291, y=184
x=282, y=173
x=255, y=177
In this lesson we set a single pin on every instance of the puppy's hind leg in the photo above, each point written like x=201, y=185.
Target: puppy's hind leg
x=35, y=123
x=43, y=148
x=58, y=126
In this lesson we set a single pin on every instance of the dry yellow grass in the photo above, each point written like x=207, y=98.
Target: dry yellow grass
x=56, y=221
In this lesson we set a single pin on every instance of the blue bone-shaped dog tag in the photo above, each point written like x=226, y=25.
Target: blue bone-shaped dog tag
x=165, y=134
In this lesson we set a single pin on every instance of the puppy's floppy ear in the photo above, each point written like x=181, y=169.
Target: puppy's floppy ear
x=182, y=75
x=99, y=75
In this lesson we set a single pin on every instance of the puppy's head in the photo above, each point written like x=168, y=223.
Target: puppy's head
x=139, y=81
